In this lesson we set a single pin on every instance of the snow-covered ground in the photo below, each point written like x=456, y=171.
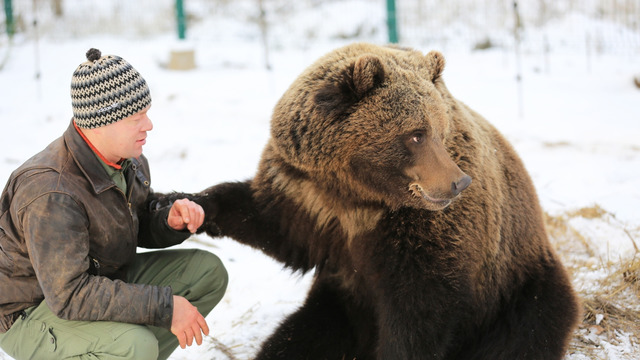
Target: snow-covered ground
x=575, y=120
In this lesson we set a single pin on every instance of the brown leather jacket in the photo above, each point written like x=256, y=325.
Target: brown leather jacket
x=67, y=231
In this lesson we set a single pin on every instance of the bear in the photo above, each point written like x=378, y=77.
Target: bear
x=419, y=220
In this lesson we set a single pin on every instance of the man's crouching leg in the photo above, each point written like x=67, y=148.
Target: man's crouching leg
x=197, y=275
x=39, y=334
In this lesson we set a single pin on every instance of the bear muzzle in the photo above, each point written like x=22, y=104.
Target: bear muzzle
x=435, y=178
x=458, y=186
x=438, y=200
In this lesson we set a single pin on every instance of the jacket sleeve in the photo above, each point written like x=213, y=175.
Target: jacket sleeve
x=56, y=233
x=154, y=231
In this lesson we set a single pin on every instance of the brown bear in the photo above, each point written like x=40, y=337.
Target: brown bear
x=367, y=179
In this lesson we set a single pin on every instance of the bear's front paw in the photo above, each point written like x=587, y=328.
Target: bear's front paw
x=210, y=228
x=209, y=204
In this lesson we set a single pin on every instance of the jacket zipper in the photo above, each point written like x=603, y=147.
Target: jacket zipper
x=96, y=264
x=131, y=179
x=128, y=199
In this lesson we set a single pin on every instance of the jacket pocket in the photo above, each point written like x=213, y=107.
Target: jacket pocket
x=100, y=268
x=30, y=339
x=69, y=341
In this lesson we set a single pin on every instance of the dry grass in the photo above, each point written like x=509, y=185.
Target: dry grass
x=219, y=346
x=609, y=290
x=238, y=350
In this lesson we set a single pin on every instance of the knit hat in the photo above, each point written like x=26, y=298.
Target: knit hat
x=106, y=89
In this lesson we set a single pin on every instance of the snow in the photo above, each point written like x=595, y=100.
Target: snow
x=575, y=123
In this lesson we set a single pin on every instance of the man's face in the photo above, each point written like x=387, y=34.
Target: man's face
x=125, y=138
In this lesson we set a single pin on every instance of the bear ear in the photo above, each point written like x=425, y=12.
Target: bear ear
x=368, y=73
x=435, y=64
x=352, y=84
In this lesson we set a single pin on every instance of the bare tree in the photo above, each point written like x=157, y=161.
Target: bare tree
x=57, y=8
x=262, y=23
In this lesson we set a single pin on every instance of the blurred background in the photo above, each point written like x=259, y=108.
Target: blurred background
x=538, y=26
x=559, y=78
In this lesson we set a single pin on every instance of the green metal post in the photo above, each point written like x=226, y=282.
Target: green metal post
x=181, y=19
x=391, y=21
x=8, y=10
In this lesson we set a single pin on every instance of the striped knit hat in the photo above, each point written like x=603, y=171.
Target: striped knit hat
x=106, y=89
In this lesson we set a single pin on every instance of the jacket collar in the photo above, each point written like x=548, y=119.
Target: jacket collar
x=86, y=160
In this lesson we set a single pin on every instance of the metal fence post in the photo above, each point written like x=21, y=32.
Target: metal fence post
x=8, y=11
x=181, y=19
x=391, y=21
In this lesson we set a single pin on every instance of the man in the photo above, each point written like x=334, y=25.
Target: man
x=71, y=217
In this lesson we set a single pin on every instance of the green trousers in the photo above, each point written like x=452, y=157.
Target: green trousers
x=197, y=275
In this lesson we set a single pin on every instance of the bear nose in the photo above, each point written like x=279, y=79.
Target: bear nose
x=458, y=186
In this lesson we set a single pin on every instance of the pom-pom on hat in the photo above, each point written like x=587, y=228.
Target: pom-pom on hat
x=106, y=89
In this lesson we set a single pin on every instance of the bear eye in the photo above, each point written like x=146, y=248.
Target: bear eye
x=417, y=137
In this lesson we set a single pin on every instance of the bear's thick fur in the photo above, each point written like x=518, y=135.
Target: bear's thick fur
x=367, y=179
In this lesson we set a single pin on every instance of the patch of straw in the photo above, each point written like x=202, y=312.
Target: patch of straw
x=611, y=303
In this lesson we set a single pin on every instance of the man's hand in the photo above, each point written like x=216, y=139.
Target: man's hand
x=187, y=322
x=185, y=213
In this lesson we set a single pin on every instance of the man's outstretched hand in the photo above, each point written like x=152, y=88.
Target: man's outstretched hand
x=187, y=322
x=185, y=213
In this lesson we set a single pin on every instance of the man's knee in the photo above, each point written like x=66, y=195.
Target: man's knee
x=219, y=275
x=213, y=277
x=138, y=342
